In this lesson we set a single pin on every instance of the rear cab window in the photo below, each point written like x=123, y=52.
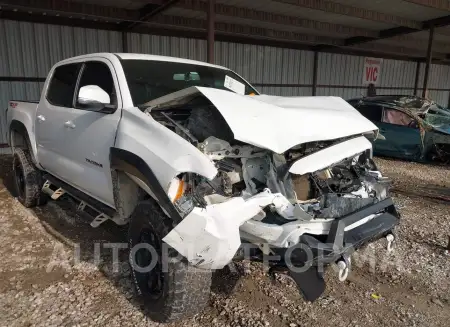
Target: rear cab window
x=62, y=85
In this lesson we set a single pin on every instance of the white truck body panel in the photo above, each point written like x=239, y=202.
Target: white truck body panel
x=65, y=141
x=278, y=123
x=331, y=155
x=168, y=153
x=208, y=236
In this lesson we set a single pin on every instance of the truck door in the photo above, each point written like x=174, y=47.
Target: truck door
x=53, y=111
x=90, y=134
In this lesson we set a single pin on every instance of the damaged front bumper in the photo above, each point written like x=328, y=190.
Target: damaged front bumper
x=210, y=237
x=312, y=255
x=342, y=240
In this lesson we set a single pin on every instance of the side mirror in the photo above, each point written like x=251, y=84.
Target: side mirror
x=93, y=97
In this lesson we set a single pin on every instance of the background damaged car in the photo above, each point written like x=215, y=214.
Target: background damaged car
x=411, y=127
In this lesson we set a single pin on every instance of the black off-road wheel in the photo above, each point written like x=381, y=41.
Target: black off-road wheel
x=27, y=180
x=172, y=289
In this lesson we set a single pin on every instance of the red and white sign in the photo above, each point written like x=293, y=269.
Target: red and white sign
x=372, y=70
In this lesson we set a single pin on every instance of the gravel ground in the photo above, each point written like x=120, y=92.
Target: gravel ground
x=42, y=285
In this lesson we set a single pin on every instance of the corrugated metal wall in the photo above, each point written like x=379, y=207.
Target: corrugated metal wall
x=343, y=76
x=29, y=50
x=439, y=78
x=268, y=68
x=335, y=71
x=167, y=46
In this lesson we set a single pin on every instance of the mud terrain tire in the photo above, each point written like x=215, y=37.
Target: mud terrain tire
x=27, y=180
x=182, y=290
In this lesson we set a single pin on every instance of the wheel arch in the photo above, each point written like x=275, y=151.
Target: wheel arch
x=17, y=134
x=19, y=137
x=138, y=170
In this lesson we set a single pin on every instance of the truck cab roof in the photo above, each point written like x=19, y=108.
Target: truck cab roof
x=140, y=56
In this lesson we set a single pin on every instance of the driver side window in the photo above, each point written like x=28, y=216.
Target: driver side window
x=397, y=117
x=96, y=73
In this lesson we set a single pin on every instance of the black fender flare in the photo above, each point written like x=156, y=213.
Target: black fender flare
x=19, y=127
x=129, y=162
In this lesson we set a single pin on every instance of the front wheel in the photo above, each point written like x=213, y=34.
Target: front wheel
x=27, y=179
x=170, y=287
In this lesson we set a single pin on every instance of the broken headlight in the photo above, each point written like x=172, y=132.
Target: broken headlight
x=177, y=194
x=190, y=190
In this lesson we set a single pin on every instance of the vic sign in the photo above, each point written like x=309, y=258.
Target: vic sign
x=372, y=71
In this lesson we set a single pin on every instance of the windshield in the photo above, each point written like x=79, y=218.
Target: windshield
x=438, y=117
x=150, y=79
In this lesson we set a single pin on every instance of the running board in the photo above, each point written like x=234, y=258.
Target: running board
x=100, y=217
x=54, y=194
x=100, y=212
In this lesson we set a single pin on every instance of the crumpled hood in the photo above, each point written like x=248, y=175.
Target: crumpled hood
x=277, y=123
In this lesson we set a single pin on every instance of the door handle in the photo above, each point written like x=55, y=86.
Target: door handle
x=69, y=124
x=41, y=118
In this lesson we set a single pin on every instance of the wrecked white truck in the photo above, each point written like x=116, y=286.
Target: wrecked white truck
x=191, y=156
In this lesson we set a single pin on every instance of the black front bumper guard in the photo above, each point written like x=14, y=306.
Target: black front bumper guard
x=313, y=252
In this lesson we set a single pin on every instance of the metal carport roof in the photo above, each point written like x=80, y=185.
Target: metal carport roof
x=385, y=28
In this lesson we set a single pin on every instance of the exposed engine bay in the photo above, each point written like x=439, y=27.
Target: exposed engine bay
x=293, y=177
x=246, y=170
x=281, y=182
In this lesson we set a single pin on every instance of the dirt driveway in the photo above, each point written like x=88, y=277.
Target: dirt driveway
x=41, y=283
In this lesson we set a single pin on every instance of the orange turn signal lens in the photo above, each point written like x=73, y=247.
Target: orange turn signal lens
x=180, y=191
x=176, y=189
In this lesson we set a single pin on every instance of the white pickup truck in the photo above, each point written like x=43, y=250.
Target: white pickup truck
x=191, y=156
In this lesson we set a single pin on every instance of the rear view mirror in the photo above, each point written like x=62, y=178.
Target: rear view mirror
x=187, y=77
x=93, y=97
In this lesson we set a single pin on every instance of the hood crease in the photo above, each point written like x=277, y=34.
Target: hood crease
x=277, y=123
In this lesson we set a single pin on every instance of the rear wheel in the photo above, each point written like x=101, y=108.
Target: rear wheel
x=172, y=289
x=27, y=177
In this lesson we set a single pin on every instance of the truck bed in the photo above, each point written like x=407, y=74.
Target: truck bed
x=25, y=113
